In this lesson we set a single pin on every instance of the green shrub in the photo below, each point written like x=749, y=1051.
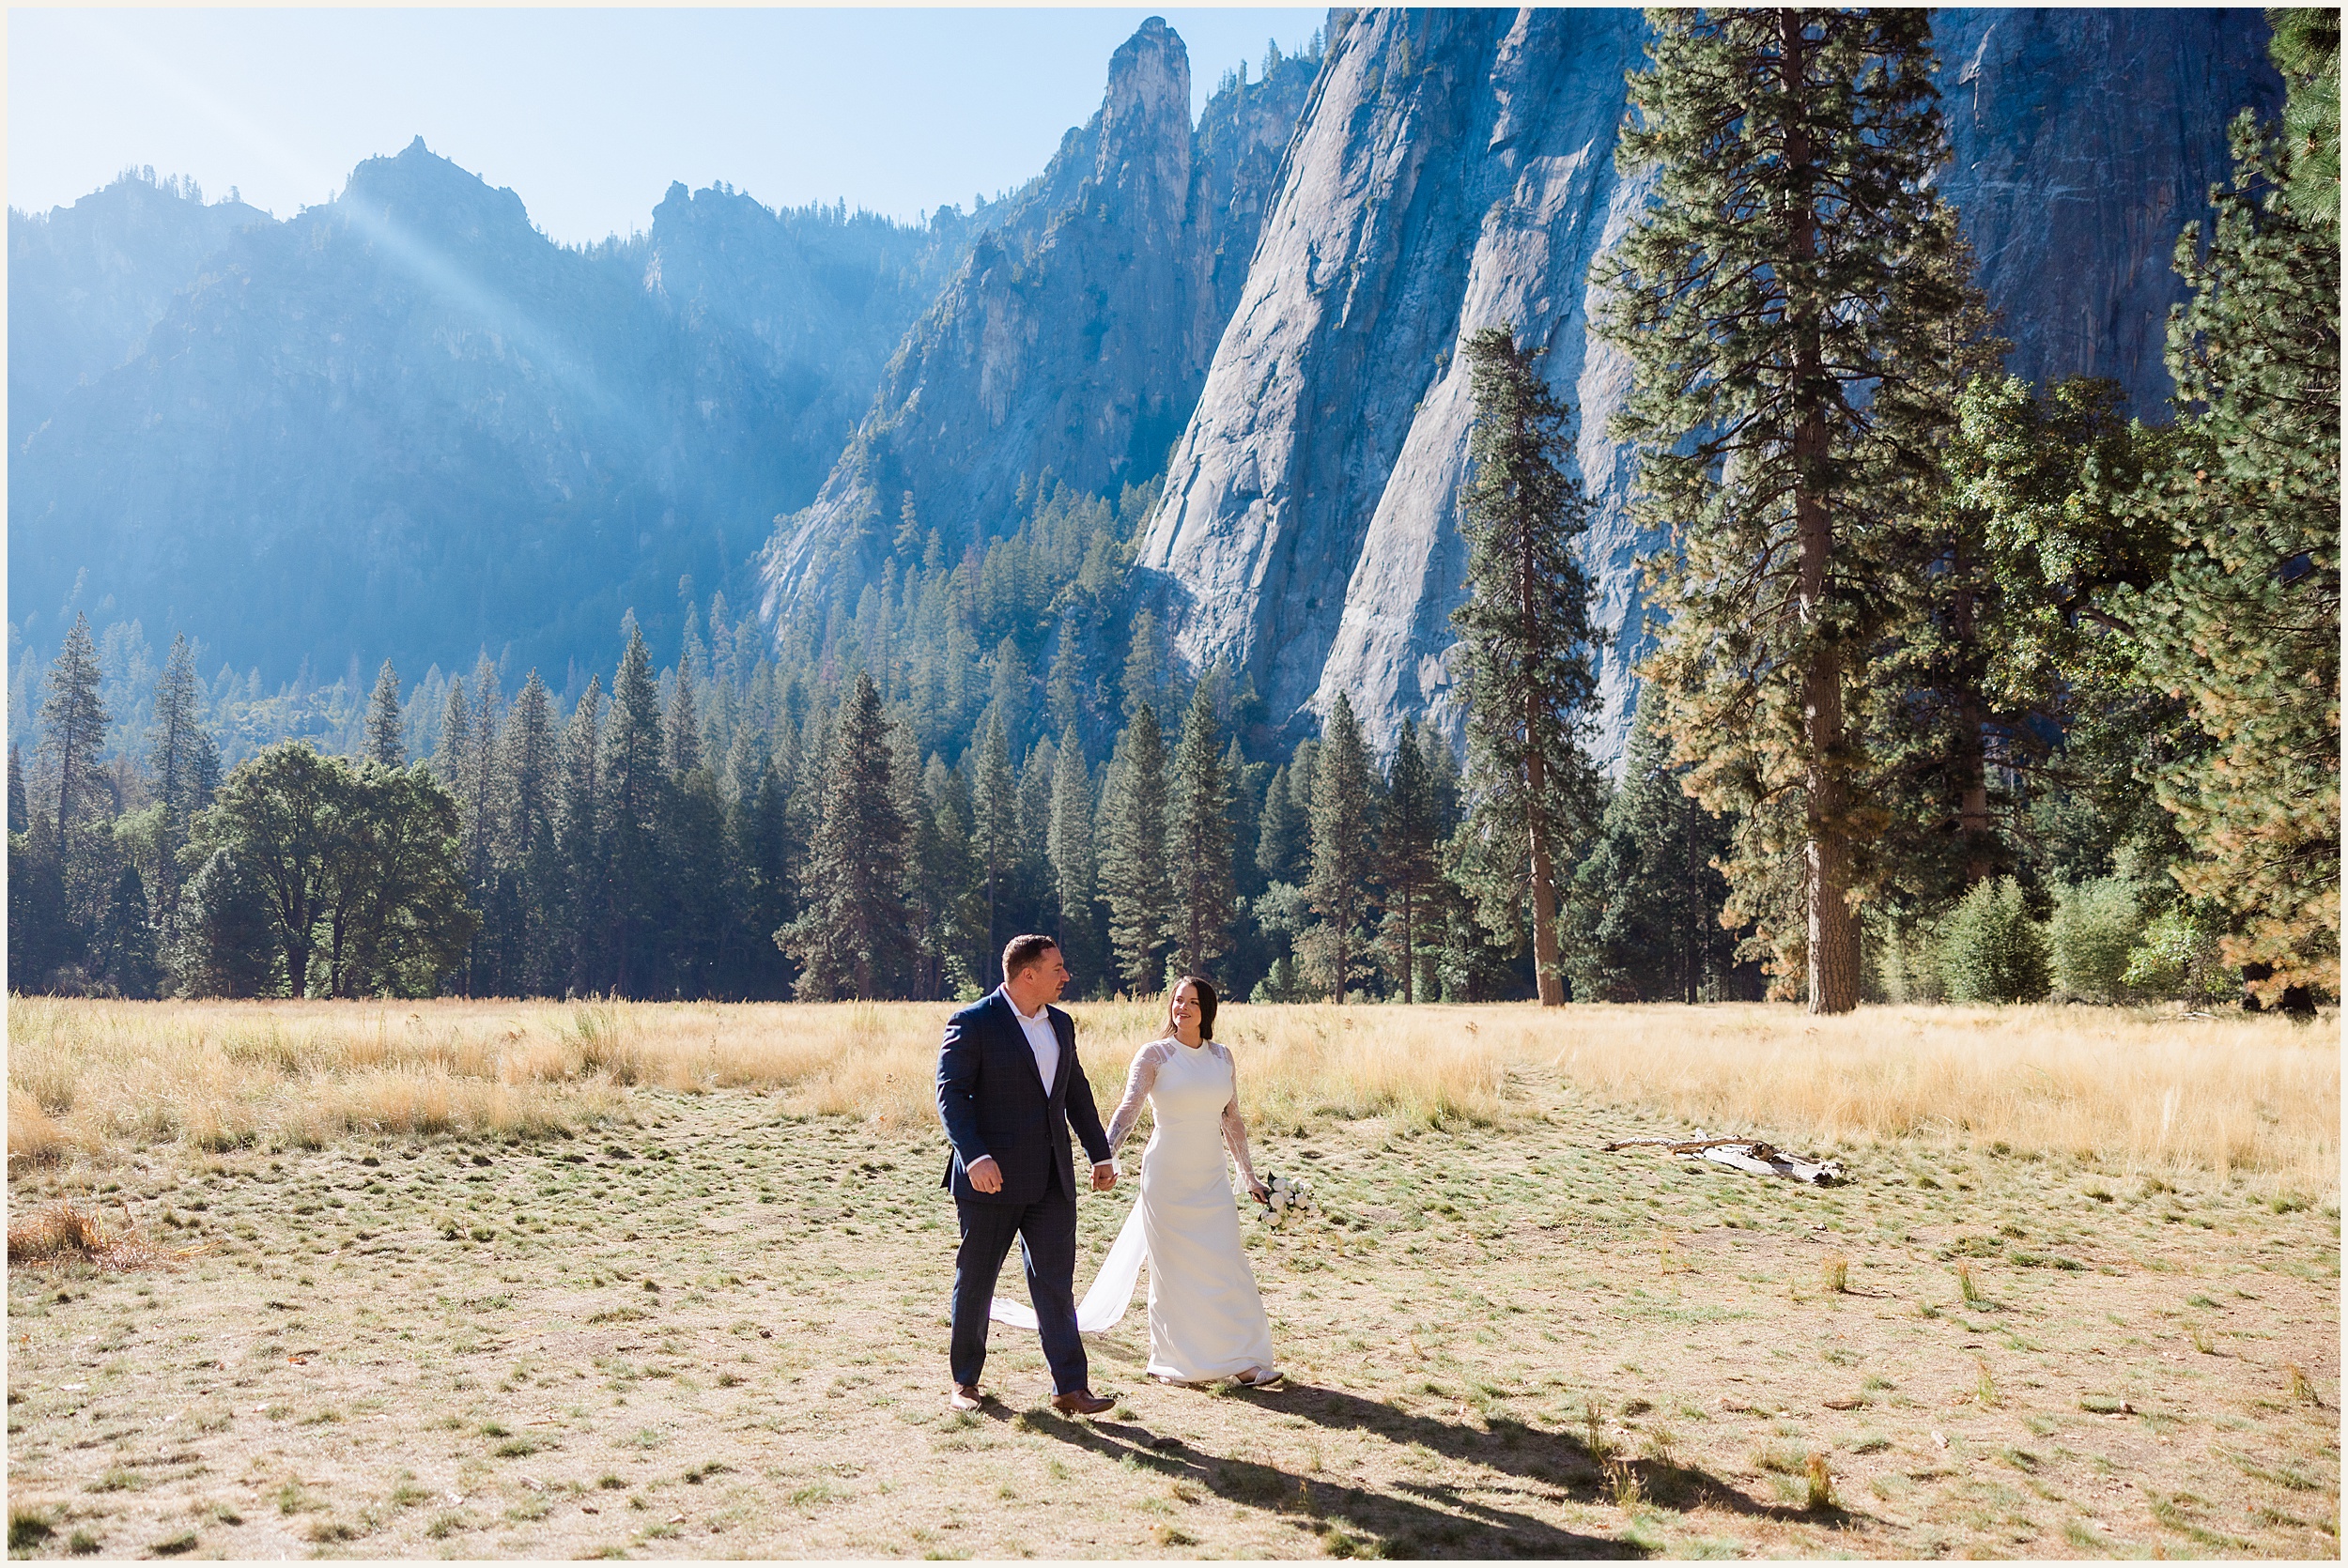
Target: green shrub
x=1991, y=950
x=1902, y=962
x=2176, y=956
x=2096, y=924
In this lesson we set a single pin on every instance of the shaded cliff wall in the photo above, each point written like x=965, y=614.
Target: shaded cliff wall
x=1455, y=170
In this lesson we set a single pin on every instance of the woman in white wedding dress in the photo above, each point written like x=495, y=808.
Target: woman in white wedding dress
x=1206, y=1319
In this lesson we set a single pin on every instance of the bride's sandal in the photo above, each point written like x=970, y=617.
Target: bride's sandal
x=1259, y=1378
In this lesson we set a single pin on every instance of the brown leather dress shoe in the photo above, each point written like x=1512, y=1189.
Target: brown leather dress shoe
x=964, y=1397
x=1080, y=1402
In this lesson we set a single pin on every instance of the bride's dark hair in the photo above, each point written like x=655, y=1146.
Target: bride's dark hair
x=1205, y=987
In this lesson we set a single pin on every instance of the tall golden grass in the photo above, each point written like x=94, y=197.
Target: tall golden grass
x=2132, y=1088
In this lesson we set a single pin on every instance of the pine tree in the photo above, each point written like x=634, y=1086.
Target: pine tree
x=1647, y=900
x=1145, y=668
x=1198, y=841
x=1344, y=827
x=681, y=730
x=634, y=782
x=996, y=838
x=1063, y=694
x=1283, y=832
x=451, y=756
x=769, y=855
x=579, y=833
x=1781, y=305
x=853, y=940
x=1076, y=925
x=122, y=949
x=386, y=739
x=19, y=812
x=2011, y=658
x=224, y=943
x=481, y=813
x=1008, y=693
x=2247, y=625
x=1134, y=873
x=2305, y=48
x=74, y=726
x=42, y=936
x=530, y=765
x=1525, y=642
x=177, y=759
x=942, y=882
x=1409, y=837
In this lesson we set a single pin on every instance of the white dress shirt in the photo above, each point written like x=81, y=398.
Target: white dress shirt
x=1041, y=1039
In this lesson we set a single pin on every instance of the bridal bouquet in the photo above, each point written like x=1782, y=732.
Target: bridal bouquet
x=1287, y=1197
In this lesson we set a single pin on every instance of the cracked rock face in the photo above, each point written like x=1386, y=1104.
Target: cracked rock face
x=1454, y=170
x=1074, y=339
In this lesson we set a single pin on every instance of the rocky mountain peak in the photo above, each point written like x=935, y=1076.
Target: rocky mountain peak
x=1074, y=338
x=1141, y=146
x=428, y=195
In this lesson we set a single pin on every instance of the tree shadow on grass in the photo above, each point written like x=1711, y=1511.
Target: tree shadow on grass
x=1350, y=1521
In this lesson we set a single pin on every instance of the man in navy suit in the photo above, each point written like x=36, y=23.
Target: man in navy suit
x=1008, y=1087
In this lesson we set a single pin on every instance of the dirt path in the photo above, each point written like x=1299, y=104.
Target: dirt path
x=721, y=1333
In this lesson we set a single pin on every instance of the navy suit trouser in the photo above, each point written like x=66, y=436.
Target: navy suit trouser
x=1046, y=1232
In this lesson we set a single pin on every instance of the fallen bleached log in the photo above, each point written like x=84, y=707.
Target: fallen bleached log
x=1744, y=1154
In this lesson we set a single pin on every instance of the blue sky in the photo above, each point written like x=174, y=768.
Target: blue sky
x=587, y=115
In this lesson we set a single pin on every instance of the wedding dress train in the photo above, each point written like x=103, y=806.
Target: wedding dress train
x=1206, y=1317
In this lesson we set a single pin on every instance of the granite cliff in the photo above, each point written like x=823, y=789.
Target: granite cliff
x=1454, y=169
x=1074, y=339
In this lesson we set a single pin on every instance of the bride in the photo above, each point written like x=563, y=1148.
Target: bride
x=1206, y=1319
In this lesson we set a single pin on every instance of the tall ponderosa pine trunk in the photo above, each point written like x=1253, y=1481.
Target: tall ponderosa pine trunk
x=1833, y=944
x=1784, y=304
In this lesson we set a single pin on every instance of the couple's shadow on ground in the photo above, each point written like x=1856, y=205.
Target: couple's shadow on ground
x=1413, y=1519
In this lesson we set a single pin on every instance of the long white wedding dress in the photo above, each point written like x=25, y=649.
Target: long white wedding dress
x=1206, y=1317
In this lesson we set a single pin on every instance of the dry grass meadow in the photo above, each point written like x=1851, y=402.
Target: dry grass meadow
x=477, y=1279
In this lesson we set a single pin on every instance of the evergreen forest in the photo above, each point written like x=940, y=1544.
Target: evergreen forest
x=1960, y=687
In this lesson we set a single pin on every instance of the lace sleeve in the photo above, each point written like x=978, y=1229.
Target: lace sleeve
x=1235, y=1129
x=1140, y=1080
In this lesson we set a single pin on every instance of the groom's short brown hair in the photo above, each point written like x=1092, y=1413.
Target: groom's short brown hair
x=1025, y=952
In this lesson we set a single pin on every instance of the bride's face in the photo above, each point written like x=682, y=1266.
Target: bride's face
x=1183, y=1010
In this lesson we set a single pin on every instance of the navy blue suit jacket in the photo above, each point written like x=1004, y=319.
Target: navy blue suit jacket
x=994, y=1103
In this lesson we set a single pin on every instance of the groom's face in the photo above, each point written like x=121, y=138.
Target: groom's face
x=1051, y=974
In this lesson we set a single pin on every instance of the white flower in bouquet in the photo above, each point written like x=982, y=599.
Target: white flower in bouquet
x=1285, y=1197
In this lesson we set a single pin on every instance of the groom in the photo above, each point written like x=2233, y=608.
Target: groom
x=1008, y=1085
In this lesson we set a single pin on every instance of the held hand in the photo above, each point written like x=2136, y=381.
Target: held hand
x=1263, y=1193
x=1104, y=1176
x=987, y=1175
